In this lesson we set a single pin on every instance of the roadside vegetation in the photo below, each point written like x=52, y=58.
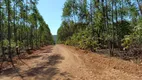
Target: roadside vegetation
x=110, y=26
x=22, y=28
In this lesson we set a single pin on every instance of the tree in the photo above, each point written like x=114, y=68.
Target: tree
x=21, y=25
x=109, y=21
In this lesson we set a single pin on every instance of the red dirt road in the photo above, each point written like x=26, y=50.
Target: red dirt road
x=62, y=62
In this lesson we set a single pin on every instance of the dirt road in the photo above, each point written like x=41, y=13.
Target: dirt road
x=62, y=62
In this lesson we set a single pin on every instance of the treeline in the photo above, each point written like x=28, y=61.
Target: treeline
x=102, y=24
x=22, y=26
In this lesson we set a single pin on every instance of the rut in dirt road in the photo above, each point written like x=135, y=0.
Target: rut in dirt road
x=62, y=62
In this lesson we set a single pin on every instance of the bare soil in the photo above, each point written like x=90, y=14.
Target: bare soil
x=62, y=62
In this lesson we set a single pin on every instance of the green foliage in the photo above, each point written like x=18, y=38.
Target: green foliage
x=137, y=35
x=5, y=42
x=99, y=24
x=22, y=25
x=135, y=38
x=127, y=41
x=83, y=40
x=13, y=44
x=123, y=28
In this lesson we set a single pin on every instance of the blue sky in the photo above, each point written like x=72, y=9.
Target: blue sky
x=51, y=10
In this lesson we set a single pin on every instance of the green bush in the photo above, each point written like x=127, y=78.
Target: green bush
x=135, y=38
x=83, y=40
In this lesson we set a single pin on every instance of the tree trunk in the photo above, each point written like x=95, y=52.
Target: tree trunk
x=9, y=30
x=139, y=7
x=15, y=28
x=112, y=43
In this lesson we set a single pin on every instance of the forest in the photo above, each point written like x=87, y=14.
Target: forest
x=97, y=40
x=22, y=28
x=110, y=26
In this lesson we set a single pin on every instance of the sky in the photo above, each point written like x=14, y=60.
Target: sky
x=51, y=10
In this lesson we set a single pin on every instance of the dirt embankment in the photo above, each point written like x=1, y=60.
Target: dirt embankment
x=62, y=62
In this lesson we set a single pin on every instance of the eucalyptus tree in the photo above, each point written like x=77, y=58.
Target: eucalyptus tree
x=139, y=2
x=9, y=29
x=21, y=26
x=1, y=31
x=108, y=20
x=1, y=26
x=36, y=15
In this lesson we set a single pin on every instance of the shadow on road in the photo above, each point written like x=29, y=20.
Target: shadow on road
x=55, y=59
x=9, y=72
x=47, y=70
x=42, y=73
x=48, y=49
x=31, y=57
